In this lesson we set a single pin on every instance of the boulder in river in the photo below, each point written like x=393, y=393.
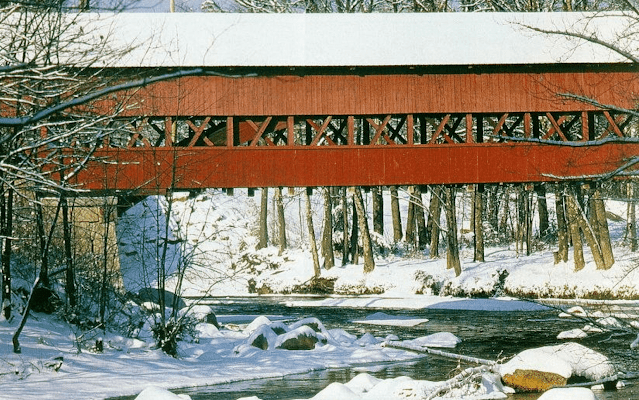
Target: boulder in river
x=541, y=368
x=302, y=338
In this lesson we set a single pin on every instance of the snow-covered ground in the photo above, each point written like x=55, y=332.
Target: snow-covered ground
x=216, y=234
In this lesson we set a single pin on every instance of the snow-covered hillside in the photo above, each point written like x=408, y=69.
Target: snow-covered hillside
x=213, y=236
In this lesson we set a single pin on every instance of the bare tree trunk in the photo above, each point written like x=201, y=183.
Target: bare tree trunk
x=163, y=335
x=23, y=321
x=420, y=220
x=327, y=235
x=631, y=226
x=588, y=232
x=104, y=294
x=524, y=220
x=68, y=255
x=311, y=234
x=263, y=235
x=4, y=299
x=378, y=210
x=542, y=208
x=367, y=246
x=478, y=224
x=602, y=228
x=345, y=243
x=503, y=223
x=42, y=241
x=493, y=207
x=452, y=251
x=562, y=228
x=435, y=217
x=6, y=255
x=281, y=220
x=410, y=217
x=397, y=217
x=528, y=213
x=354, y=243
x=574, y=234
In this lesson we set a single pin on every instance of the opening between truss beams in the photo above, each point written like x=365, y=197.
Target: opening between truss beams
x=380, y=130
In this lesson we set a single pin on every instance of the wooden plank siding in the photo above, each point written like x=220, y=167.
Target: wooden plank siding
x=382, y=94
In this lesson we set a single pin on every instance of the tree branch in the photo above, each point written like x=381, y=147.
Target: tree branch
x=589, y=38
x=82, y=100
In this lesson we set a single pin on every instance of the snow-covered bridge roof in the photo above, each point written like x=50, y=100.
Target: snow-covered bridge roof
x=327, y=40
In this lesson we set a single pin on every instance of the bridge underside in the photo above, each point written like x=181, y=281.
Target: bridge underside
x=384, y=129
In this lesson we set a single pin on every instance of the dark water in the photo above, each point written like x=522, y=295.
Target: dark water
x=484, y=334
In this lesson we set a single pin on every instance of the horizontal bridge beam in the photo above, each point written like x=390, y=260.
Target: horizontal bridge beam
x=182, y=168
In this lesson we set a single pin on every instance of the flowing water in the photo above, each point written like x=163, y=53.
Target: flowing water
x=484, y=334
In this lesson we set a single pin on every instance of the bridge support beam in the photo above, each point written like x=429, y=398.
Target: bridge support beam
x=152, y=170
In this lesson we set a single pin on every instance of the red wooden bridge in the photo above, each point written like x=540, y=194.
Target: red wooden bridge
x=367, y=100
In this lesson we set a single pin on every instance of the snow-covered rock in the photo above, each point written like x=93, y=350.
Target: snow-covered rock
x=202, y=313
x=336, y=391
x=439, y=339
x=610, y=322
x=564, y=361
x=257, y=322
x=263, y=338
x=568, y=394
x=362, y=383
x=311, y=322
x=589, y=328
x=341, y=336
x=155, y=393
x=206, y=330
x=380, y=318
x=367, y=339
x=301, y=338
x=576, y=311
x=572, y=334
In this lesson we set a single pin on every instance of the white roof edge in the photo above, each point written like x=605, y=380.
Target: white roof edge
x=364, y=40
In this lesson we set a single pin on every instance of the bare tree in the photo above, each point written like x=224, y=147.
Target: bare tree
x=311, y=233
x=631, y=224
x=263, y=225
x=478, y=223
x=281, y=220
x=452, y=251
x=367, y=245
x=396, y=215
x=434, y=217
x=562, y=227
x=378, y=210
x=327, y=234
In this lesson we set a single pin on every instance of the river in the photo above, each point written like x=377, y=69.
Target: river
x=485, y=334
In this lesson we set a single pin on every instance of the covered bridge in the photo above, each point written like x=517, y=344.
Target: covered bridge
x=367, y=100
